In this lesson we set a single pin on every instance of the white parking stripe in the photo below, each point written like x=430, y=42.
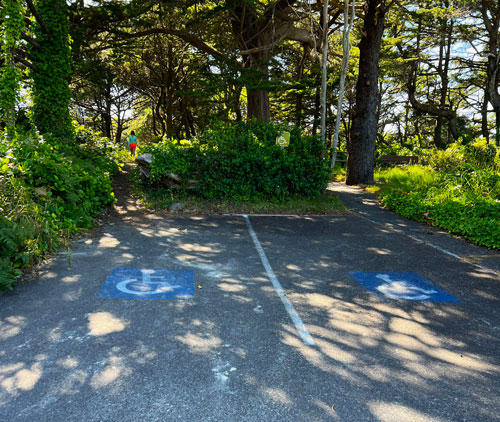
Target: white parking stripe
x=302, y=330
x=439, y=248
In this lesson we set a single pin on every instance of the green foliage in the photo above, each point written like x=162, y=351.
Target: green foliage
x=11, y=27
x=476, y=219
x=52, y=59
x=26, y=229
x=48, y=191
x=460, y=193
x=407, y=178
x=242, y=162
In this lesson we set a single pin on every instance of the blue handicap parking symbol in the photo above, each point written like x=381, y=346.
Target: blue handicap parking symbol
x=140, y=283
x=402, y=286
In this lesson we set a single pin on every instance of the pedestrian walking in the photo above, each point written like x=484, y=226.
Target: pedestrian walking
x=132, y=143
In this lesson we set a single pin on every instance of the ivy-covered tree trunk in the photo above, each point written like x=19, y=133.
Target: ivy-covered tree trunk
x=364, y=124
x=52, y=60
x=11, y=26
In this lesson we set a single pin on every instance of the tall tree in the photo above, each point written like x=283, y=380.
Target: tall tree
x=490, y=11
x=11, y=28
x=361, y=147
x=51, y=68
x=256, y=28
x=439, y=23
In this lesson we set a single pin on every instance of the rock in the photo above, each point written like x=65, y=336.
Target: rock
x=177, y=206
x=171, y=180
x=144, y=162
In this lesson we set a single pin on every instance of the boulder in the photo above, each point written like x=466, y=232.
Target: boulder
x=144, y=162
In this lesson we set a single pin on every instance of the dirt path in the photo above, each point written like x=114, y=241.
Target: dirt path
x=127, y=209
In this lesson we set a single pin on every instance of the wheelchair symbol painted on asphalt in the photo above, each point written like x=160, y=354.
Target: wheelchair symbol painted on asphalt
x=147, y=286
x=402, y=286
x=137, y=283
x=401, y=289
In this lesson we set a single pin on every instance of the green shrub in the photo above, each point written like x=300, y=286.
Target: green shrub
x=459, y=193
x=408, y=178
x=27, y=231
x=48, y=191
x=478, y=154
x=242, y=161
x=476, y=219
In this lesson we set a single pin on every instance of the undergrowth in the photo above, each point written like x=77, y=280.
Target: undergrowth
x=48, y=191
x=458, y=190
x=242, y=162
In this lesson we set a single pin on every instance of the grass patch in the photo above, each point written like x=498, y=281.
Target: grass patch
x=160, y=200
x=405, y=179
x=463, y=201
x=338, y=173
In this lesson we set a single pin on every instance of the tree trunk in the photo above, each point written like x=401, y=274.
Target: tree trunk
x=491, y=18
x=438, y=134
x=346, y=48
x=106, y=115
x=258, y=105
x=317, y=105
x=484, y=118
x=168, y=96
x=300, y=97
x=497, y=129
x=324, y=62
x=364, y=125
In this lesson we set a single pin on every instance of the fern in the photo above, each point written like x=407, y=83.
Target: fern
x=7, y=275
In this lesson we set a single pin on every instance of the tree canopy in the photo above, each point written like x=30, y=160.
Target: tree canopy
x=421, y=73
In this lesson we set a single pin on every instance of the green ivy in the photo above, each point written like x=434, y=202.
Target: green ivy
x=52, y=59
x=11, y=27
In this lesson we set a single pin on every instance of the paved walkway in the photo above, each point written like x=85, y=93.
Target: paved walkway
x=366, y=205
x=279, y=327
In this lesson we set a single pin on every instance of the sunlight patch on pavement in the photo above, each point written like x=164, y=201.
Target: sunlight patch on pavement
x=103, y=323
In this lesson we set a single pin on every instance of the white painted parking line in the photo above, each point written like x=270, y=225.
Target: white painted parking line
x=302, y=330
x=261, y=215
x=439, y=248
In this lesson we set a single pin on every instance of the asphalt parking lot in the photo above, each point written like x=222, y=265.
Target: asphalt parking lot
x=253, y=318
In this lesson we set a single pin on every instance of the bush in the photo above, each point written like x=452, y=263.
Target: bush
x=460, y=192
x=49, y=191
x=478, y=154
x=242, y=161
x=476, y=219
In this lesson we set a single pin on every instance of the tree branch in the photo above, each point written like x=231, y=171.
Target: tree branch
x=430, y=109
x=22, y=60
x=278, y=7
x=37, y=16
x=183, y=35
x=31, y=40
x=487, y=22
